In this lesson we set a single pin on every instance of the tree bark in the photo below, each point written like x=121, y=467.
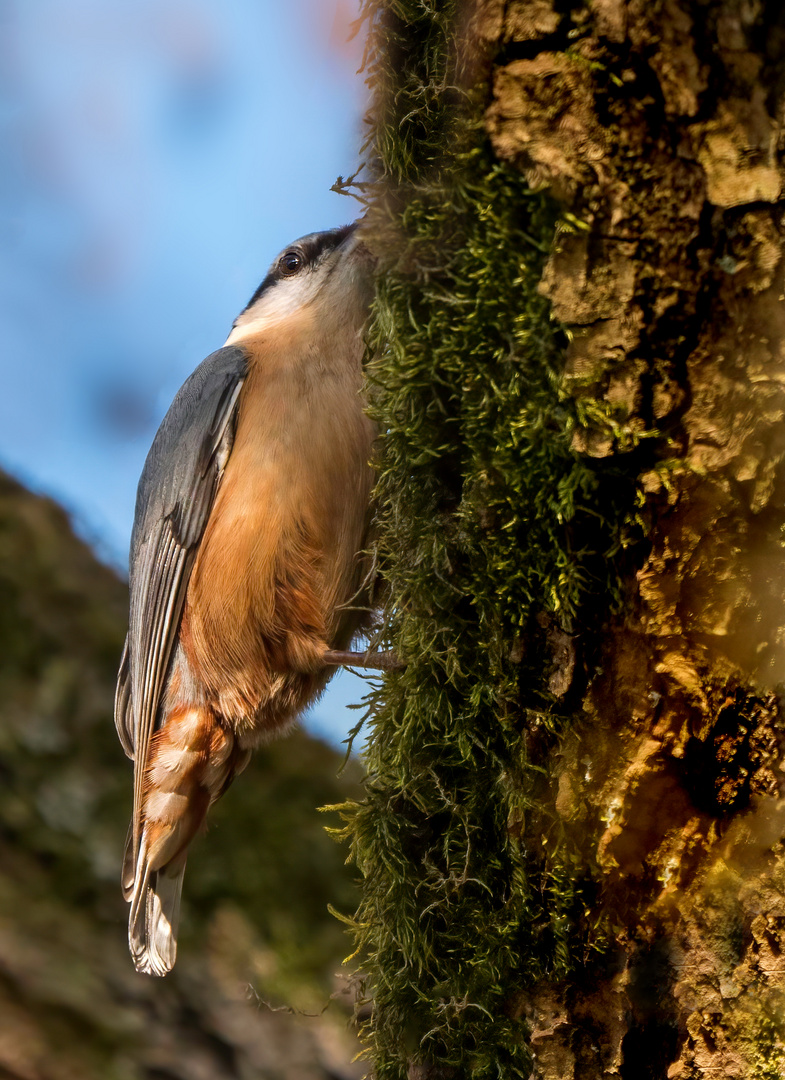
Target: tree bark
x=645, y=738
x=661, y=132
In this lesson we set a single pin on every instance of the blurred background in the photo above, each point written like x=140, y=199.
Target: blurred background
x=155, y=155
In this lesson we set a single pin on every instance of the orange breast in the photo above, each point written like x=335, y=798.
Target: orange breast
x=279, y=556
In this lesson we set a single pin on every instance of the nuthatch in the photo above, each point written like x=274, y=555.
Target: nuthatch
x=246, y=572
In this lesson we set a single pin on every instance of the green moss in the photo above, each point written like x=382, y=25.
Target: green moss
x=490, y=529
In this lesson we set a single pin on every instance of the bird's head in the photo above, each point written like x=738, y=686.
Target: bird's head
x=330, y=273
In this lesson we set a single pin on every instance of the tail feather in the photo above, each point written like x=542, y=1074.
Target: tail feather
x=190, y=762
x=155, y=915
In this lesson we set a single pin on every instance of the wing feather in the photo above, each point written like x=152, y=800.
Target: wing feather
x=156, y=634
x=176, y=493
x=122, y=704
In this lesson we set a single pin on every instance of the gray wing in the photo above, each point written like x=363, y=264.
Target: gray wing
x=176, y=492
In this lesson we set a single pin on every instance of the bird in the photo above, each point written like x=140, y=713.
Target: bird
x=247, y=572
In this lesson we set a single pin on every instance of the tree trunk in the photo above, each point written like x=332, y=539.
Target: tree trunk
x=571, y=841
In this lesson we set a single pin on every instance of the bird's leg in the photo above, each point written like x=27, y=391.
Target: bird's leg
x=379, y=661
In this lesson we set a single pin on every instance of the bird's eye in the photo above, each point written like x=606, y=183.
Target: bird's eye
x=290, y=262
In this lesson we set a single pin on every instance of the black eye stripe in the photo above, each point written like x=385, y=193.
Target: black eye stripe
x=311, y=247
x=265, y=285
x=316, y=244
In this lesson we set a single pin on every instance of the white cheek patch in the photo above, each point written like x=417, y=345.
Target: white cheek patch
x=283, y=300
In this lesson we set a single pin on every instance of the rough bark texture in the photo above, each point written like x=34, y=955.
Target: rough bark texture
x=661, y=131
x=640, y=771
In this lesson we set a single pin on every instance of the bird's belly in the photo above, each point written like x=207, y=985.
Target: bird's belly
x=278, y=560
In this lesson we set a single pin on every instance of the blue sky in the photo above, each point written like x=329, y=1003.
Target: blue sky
x=154, y=157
